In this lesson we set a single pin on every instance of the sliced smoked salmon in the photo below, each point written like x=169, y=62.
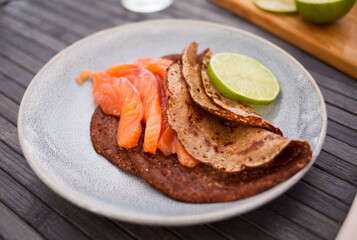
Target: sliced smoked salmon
x=155, y=65
x=137, y=92
x=119, y=97
x=105, y=94
x=84, y=76
x=168, y=142
x=148, y=87
x=184, y=158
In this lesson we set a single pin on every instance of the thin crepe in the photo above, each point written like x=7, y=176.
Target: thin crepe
x=201, y=184
x=213, y=101
x=204, y=184
x=213, y=140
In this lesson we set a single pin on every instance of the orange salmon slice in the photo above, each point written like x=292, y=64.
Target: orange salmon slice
x=155, y=65
x=184, y=158
x=168, y=143
x=137, y=92
x=118, y=97
x=84, y=76
x=148, y=87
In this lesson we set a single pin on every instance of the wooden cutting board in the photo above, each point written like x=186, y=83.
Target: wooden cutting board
x=334, y=43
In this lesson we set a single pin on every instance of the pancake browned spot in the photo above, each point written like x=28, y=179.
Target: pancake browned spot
x=204, y=184
x=103, y=131
x=214, y=102
x=231, y=148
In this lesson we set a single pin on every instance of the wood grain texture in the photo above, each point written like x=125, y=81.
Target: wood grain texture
x=25, y=204
x=334, y=43
x=320, y=201
x=238, y=228
x=313, y=209
x=292, y=209
x=13, y=227
x=268, y=219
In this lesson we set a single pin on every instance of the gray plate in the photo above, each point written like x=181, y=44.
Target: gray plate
x=55, y=113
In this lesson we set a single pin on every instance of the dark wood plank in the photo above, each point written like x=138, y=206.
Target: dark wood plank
x=33, y=48
x=32, y=21
x=319, y=201
x=237, y=228
x=93, y=225
x=340, y=149
x=76, y=16
x=342, y=133
x=11, y=89
x=339, y=100
x=8, y=109
x=277, y=226
x=343, y=117
x=331, y=185
x=305, y=216
x=31, y=33
x=26, y=61
x=13, y=227
x=199, y=232
x=35, y=212
x=337, y=167
x=89, y=10
x=8, y=134
x=15, y=72
x=52, y=17
x=328, y=71
x=335, y=85
x=146, y=232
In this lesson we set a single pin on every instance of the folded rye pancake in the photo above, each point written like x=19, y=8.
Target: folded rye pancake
x=215, y=103
x=213, y=140
x=201, y=184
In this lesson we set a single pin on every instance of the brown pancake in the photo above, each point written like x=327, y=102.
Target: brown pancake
x=204, y=184
x=236, y=111
x=103, y=131
x=201, y=184
x=213, y=140
x=173, y=57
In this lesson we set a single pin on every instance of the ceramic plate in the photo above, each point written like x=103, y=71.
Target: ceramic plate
x=55, y=114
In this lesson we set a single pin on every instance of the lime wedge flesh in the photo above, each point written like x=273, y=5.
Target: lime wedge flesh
x=277, y=6
x=323, y=11
x=243, y=78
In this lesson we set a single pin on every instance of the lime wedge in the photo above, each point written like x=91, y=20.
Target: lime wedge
x=277, y=6
x=243, y=78
x=323, y=11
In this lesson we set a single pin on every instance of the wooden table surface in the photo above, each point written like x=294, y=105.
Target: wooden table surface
x=31, y=32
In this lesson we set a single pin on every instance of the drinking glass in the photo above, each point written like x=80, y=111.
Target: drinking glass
x=146, y=6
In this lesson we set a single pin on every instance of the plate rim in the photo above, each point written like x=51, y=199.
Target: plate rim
x=158, y=220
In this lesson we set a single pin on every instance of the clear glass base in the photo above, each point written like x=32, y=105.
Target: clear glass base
x=146, y=6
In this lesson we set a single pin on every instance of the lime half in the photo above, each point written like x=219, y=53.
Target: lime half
x=277, y=6
x=243, y=78
x=323, y=11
